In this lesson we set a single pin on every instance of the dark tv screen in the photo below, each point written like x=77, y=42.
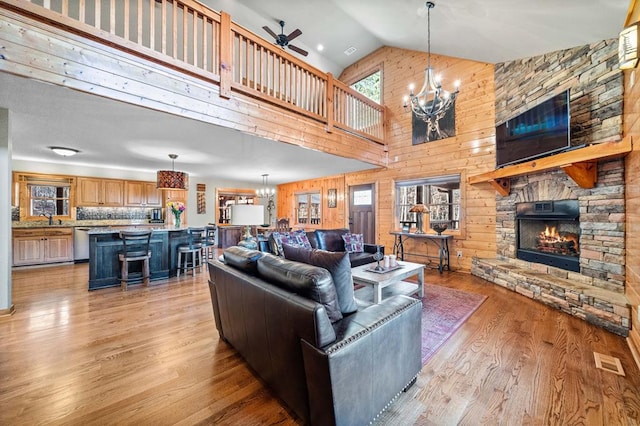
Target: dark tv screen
x=540, y=131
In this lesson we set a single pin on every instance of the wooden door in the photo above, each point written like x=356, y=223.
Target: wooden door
x=58, y=245
x=113, y=193
x=153, y=194
x=134, y=193
x=362, y=215
x=89, y=192
x=28, y=250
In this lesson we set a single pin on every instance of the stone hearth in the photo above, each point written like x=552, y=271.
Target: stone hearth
x=596, y=293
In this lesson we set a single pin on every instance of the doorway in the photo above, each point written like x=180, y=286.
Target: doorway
x=362, y=214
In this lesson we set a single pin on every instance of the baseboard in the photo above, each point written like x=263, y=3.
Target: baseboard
x=7, y=312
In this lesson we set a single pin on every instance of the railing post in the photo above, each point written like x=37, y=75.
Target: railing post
x=330, y=112
x=226, y=56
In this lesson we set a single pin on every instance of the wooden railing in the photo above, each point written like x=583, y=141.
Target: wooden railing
x=194, y=39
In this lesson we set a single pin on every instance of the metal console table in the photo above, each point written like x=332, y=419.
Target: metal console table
x=442, y=241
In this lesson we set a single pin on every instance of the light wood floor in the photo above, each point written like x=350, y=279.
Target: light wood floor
x=151, y=356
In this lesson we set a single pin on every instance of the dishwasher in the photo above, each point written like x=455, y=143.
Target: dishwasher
x=80, y=244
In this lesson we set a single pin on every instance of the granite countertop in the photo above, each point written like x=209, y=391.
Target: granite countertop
x=109, y=230
x=82, y=223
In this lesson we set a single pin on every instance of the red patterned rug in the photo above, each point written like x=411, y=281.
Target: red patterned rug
x=444, y=310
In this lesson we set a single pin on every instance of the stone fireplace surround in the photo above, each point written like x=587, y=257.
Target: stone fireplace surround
x=596, y=293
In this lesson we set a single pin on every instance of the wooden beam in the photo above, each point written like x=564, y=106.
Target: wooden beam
x=585, y=174
x=502, y=185
x=579, y=164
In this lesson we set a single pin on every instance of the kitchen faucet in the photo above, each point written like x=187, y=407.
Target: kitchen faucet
x=49, y=216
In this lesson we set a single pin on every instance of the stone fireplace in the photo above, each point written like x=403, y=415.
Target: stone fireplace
x=578, y=267
x=548, y=232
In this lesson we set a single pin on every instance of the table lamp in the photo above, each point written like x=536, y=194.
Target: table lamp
x=420, y=209
x=247, y=215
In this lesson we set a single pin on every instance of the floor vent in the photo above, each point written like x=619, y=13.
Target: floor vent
x=608, y=363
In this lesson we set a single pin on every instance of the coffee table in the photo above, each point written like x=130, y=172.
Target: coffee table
x=390, y=281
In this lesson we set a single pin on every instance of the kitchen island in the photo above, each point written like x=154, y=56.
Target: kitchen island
x=105, y=244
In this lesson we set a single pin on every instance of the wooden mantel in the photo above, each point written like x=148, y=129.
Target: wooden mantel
x=581, y=165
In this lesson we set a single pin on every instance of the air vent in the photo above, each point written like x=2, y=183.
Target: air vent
x=546, y=207
x=350, y=51
x=608, y=363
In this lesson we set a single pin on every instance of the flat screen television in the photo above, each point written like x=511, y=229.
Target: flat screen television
x=540, y=131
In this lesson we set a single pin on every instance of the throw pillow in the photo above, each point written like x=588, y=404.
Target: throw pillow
x=307, y=280
x=353, y=243
x=338, y=265
x=295, y=238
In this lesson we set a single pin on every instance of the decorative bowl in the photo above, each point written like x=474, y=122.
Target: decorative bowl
x=439, y=227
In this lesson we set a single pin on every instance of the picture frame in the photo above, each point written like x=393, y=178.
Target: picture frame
x=332, y=198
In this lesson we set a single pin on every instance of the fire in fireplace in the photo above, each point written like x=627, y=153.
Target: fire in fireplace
x=548, y=232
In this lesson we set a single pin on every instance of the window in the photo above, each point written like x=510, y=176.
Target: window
x=369, y=86
x=440, y=194
x=49, y=200
x=227, y=198
x=308, y=208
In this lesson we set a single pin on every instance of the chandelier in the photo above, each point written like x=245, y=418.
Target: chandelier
x=171, y=179
x=267, y=193
x=432, y=102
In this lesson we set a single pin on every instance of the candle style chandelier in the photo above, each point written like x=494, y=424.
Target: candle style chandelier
x=432, y=102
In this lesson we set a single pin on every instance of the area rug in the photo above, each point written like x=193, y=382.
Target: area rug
x=444, y=310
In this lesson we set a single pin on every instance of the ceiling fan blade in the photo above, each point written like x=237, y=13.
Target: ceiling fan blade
x=271, y=33
x=298, y=50
x=294, y=34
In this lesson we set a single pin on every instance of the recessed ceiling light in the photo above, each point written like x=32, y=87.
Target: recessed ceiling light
x=320, y=48
x=65, y=152
x=350, y=51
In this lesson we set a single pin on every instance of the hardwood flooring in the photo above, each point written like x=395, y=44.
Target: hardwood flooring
x=151, y=356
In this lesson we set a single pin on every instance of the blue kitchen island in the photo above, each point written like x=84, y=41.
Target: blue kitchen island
x=105, y=245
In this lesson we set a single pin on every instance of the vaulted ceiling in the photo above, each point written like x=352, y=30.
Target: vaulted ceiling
x=489, y=31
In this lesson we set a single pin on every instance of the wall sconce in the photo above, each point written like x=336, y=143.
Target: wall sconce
x=332, y=198
x=628, y=47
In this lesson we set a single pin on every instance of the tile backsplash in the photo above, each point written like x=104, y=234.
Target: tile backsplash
x=113, y=213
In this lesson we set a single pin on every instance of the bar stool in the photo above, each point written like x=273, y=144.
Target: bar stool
x=192, y=249
x=135, y=249
x=209, y=242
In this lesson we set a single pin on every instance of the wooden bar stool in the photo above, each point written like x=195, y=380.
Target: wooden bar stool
x=135, y=249
x=190, y=253
x=209, y=242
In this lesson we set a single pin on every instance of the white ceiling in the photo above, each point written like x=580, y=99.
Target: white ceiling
x=118, y=135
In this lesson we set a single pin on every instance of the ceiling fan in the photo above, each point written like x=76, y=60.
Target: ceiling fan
x=283, y=40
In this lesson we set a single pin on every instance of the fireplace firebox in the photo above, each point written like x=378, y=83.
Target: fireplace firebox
x=548, y=232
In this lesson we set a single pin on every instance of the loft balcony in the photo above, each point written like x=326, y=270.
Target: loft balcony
x=181, y=57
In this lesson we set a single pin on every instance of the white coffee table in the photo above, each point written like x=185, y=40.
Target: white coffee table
x=391, y=281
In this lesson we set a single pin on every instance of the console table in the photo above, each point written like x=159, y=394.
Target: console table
x=441, y=241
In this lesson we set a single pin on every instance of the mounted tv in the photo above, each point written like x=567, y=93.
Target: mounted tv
x=538, y=132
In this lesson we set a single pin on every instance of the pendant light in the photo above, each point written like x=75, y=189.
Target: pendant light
x=171, y=179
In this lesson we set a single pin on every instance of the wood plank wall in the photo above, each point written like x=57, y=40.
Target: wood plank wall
x=632, y=194
x=470, y=152
x=39, y=51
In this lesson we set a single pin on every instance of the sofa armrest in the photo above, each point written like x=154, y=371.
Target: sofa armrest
x=355, y=378
x=372, y=248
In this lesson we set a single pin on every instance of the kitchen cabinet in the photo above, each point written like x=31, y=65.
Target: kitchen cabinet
x=95, y=192
x=175, y=196
x=139, y=193
x=42, y=245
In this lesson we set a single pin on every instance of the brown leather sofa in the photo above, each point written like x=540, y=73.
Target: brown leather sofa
x=330, y=240
x=274, y=312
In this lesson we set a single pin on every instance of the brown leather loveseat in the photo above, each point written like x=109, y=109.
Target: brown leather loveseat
x=329, y=367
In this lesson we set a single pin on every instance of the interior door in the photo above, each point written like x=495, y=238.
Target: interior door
x=362, y=214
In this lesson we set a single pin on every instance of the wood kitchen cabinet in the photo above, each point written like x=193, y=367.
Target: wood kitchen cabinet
x=95, y=192
x=37, y=246
x=139, y=193
x=176, y=196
